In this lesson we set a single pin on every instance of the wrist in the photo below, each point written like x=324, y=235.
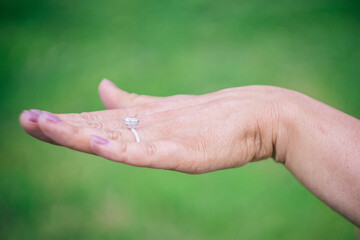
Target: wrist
x=292, y=109
x=276, y=123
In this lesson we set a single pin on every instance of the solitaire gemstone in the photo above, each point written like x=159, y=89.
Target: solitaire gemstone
x=131, y=122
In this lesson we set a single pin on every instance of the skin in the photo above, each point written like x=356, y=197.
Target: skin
x=318, y=144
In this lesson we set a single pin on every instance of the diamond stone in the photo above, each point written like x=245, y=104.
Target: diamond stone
x=131, y=122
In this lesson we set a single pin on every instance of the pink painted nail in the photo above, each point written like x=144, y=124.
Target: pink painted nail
x=52, y=118
x=33, y=115
x=110, y=82
x=99, y=140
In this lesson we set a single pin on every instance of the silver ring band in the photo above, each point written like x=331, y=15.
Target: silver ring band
x=131, y=123
x=136, y=134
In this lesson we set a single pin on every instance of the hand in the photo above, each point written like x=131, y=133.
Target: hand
x=224, y=129
x=187, y=133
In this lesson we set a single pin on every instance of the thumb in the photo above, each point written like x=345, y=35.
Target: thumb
x=113, y=97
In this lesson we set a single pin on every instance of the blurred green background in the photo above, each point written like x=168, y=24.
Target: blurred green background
x=54, y=53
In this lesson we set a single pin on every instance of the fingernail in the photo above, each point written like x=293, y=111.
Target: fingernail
x=109, y=82
x=33, y=115
x=30, y=116
x=99, y=140
x=37, y=111
x=52, y=118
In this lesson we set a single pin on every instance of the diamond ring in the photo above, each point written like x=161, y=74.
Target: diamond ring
x=130, y=123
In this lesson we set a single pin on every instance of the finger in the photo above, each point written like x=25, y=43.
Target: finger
x=147, y=119
x=113, y=97
x=98, y=115
x=74, y=137
x=102, y=124
x=158, y=154
x=29, y=122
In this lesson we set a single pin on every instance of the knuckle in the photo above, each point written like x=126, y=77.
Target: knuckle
x=122, y=152
x=95, y=124
x=89, y=116
x=85, y=116
x=150, y=149
x=71, y=143
x=113, y=134
x=123, y=148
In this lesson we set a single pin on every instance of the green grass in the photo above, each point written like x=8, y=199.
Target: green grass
x=53, y=55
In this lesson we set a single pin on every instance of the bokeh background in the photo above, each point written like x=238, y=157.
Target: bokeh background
x=53, y=54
